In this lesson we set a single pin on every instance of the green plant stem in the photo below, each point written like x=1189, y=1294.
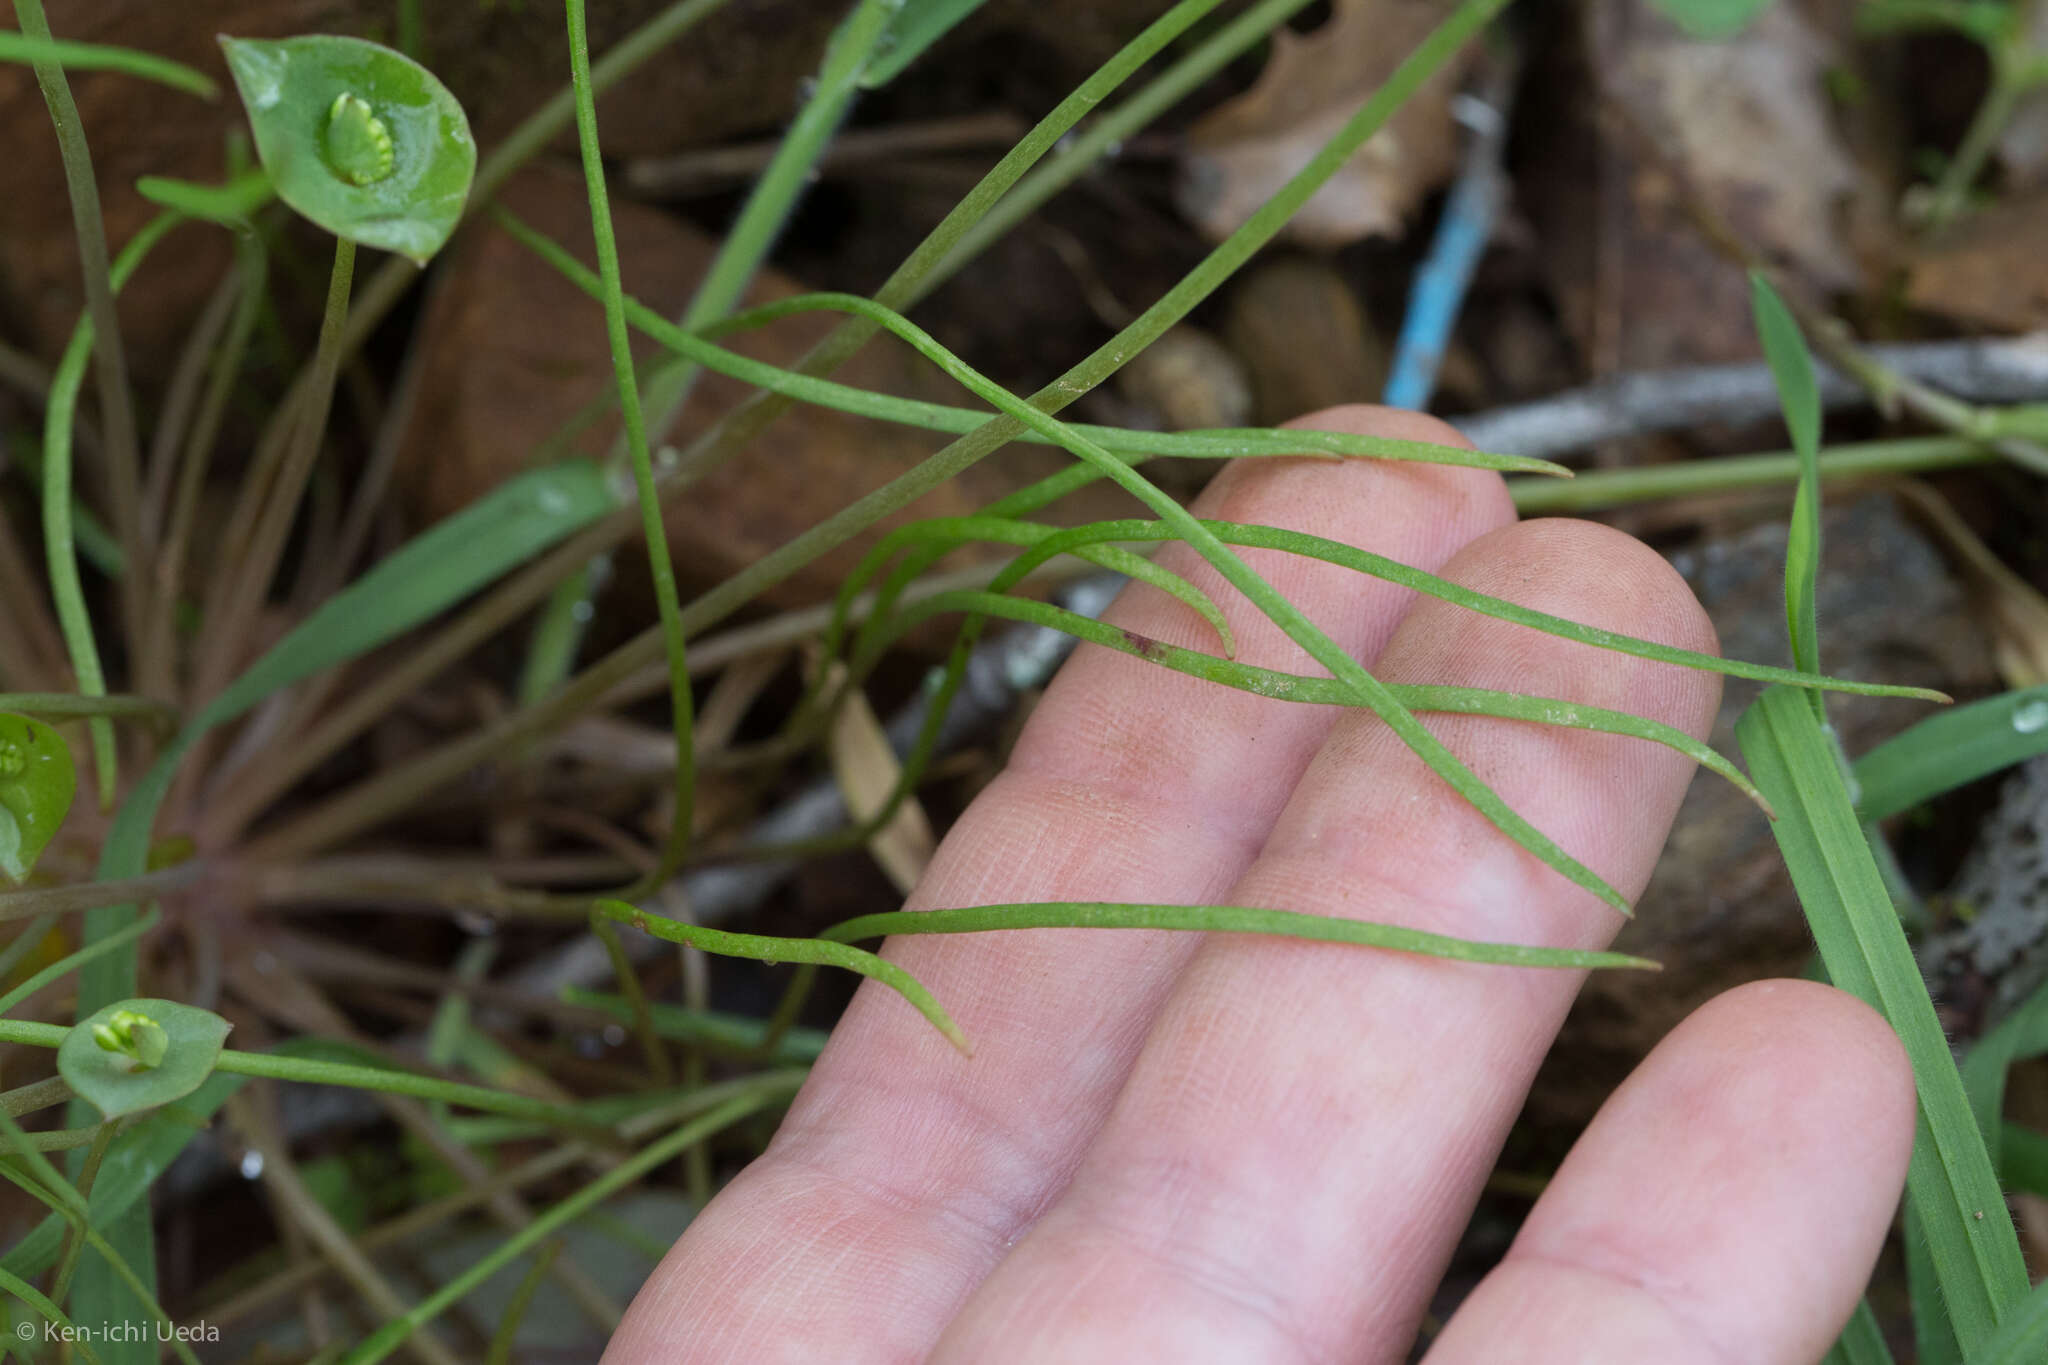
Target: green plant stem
x=2010, y=82
x=1599, y=489
x=27, y=1099
x=387, y=1338
x=660, y=565
x=1223, y=919
x=66, y=591
x=22, y=47
x=61, y=1196
x=658, y=1065
x=316, y=1071
x=1220, y=443
x=1071, y=162
x=503, y=606
x=62, y=968
x=49, y=1311
x=156, y=668
x=70, y=706
x=110, y=375
x=745, y=246
x=232, y=613
x=768, y=205
x=67, y=1260
x=506, y=1339
x=396, y=788
x=772, y=949
x=941, y=248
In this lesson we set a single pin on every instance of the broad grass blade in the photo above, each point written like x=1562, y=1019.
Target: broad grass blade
x=1975, y=1252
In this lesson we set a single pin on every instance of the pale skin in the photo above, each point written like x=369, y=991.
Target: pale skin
x=1232, y=1149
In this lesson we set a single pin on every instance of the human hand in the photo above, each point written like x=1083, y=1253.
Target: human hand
x=1241, y=1149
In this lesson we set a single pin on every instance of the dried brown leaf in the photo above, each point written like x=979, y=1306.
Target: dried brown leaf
x=867, y=771
x=1244, y=150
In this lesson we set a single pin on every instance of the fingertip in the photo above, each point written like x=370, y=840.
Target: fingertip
x=1733, y=1193
x=1840, y=1068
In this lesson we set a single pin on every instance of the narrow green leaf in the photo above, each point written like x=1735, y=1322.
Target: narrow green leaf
x=952, y=531
x=231, y=205
x=2022, y=1338
x=764, y=948
x=139, y=1054
x=1221, y=919
x=1951, y=748
x=66, y=592
x=1861, y=1342
x=80, y=1341
x=2023, y=1158
x=1393, y=571
x=445, y=564
x=1799, y=393
x=69, y=705
x=37, y=781
x=2021, y=1035
x=1712, y=19
x=1297, y=687
x=917, y=25
x=1224, y=443
x=392, y=1334
x=71, y=962
x=23, y=47
x=359, y=139
x=1235, y=570
x=1969, y=1231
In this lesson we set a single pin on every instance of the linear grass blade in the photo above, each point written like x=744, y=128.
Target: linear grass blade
x=2022, y=1035
x=1224, y=443
x=764, y=948
x=2021, y=1339
x=391, y=1335
x=1861, y=1342
x=1222, y=919
x=916, y=26
x=48, y=1312
x=1393, y=571
x=1951, y=748
x=2023, y=1158
x=1233, y=569
x=1297, y=687
x=1969, y=1231
x=1799, y=393
x=74, y=56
